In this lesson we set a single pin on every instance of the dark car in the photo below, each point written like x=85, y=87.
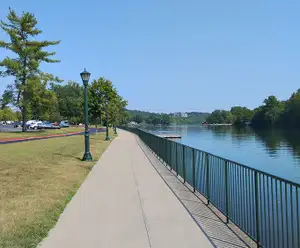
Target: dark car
x=17, y=124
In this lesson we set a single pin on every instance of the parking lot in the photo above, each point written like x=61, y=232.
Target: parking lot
x=9, y=128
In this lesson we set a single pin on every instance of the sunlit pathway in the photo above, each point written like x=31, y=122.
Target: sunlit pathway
x=125, y=203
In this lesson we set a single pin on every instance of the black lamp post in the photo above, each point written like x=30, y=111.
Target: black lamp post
x=106, y=103
x=85, y=76
x=116, y=130
x=115, y=126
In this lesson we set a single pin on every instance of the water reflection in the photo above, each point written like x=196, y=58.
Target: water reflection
x=274, y=140
x=274, y=151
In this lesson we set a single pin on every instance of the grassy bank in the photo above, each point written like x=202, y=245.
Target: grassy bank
x=5, y=135
x=37, y=179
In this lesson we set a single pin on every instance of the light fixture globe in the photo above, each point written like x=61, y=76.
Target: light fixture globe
x=85, y=76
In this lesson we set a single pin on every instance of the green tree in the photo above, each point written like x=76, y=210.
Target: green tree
x=7, y=98
x=291, y=115
x=42, y=101
x=138, y=119
x=241, y=115
x=96, y=100
x=29, y=52
x=165, y=119
x=6, y=114
x=101, y=90
x=124, y=117
x=70, y=101
x=220, y=117
x=18, y=115
x=269, y=114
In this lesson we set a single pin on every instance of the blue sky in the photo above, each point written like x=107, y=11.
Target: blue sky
x=174, y=55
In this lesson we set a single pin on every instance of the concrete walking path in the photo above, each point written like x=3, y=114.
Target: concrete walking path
x=125, y=203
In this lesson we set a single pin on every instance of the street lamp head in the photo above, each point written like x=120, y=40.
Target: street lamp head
x=85, y=76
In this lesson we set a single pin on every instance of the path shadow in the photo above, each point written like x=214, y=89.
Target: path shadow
x=209, y=219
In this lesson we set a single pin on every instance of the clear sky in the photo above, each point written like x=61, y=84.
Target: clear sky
x=175, y=55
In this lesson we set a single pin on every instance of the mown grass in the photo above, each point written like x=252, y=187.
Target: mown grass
x=5, y=135
x=37, y=179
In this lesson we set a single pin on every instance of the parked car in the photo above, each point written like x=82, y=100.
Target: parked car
x=47, y=125
x=64, y=124
x=30, y=122
x=35, y=125
x=18, y=124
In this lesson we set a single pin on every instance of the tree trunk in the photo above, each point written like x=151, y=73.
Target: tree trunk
x=24, y=119
x=100, y=118
x=24, y=113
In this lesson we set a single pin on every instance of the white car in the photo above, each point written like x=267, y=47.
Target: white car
x=30, y=122
x=35, y=125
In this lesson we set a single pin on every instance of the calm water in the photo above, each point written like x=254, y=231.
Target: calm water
x=274, y=151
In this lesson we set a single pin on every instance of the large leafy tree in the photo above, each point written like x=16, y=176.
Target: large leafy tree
x=70, y=101
x=42, y=102
x=270, y=113
x=117, y=107
x=220, y=117
x=96, y=99
x=291, y=115
x=29, y=53
x=100, y=90
x=241, y=115
x=6, y=114
x=138, y=119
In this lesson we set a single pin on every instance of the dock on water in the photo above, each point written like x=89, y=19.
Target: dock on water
x=169, y=136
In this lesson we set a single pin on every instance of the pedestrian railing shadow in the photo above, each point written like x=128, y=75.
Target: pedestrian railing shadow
x=209, y=219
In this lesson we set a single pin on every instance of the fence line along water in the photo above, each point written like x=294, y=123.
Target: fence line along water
x=264, y=206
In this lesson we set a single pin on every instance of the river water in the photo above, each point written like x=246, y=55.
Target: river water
x=274, y=151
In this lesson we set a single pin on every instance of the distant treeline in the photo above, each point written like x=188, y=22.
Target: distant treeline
x=272, y=113
x=166, y=119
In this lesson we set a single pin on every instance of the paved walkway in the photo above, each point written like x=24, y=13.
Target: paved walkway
x=125, y=203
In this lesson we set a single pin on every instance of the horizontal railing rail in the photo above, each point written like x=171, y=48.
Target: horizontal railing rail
x=264, y=206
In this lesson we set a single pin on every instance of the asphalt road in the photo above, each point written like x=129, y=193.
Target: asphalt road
x=9, y=128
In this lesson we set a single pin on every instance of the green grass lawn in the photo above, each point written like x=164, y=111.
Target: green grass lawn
x=4, y=135
x=37, y=179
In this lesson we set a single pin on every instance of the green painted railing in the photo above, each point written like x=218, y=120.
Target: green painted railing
x=264, y=206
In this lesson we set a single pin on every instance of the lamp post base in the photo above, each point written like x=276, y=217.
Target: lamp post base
x=107, y=138
x=87, y=157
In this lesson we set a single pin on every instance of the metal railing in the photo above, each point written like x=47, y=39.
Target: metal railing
x=264, y=206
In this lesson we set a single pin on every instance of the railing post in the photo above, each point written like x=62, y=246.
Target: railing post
x=207, y=177
x=194, y=171
x=256, y=208
x=176, y=158
x=226, y=191
x=183, y=163
x=170, y=145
